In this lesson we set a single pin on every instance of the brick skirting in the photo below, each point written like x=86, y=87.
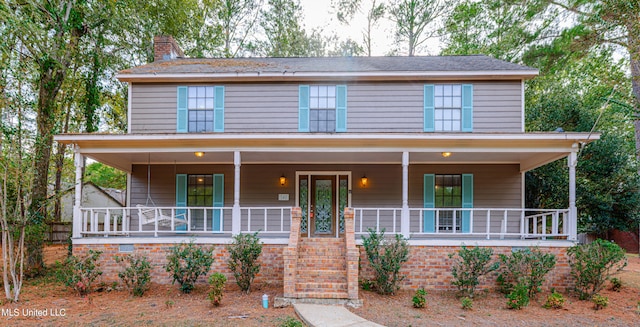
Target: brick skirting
x=428, y=266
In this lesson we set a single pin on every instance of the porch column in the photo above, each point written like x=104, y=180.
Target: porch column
x=77, y=214
x=572, y=160
x=405, y=224
x=235, y=213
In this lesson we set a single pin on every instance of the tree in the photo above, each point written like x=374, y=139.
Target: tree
x=346, y=10
x=412, y=17
x=284, y=35
x=235, y=22
x=105, y=176
x=505, y=29
x=609, y=22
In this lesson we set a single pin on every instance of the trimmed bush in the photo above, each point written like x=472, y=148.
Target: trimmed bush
x=386, y=256
x=599, y=301
x=186, y=262
x=527, y=267
x=592, y=264
x=420, y=298
x=216, y=282
x=469, y=266
x=554, y=301
x=467, y=303
x=518, y=298
x=243, y=259
x=136, y=274
x=79, y=273
x=616, y=284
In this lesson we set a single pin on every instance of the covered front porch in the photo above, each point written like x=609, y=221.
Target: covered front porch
x=387, y=179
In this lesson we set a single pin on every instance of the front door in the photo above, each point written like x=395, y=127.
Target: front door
x=323, y=205
x=322, y=198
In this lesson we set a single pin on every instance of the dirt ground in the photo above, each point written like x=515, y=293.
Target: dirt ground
x=44, y=302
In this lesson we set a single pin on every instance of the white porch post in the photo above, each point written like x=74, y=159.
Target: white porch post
x=405, y=225
x=235, y=214
x=77, y=214
x=572, y=160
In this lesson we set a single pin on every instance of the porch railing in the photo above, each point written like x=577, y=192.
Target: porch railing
x=143, y=220
x=489, y=223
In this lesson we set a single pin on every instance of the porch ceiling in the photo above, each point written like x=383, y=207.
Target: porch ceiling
x=529, y=150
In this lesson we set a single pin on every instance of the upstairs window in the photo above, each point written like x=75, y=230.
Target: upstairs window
x=322, y=108
x=200, y=109
x=448, y=108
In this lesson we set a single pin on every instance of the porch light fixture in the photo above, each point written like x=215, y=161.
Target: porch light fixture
x=446, y=154
x=283, y=180
x=364, y=180
x=199, y=154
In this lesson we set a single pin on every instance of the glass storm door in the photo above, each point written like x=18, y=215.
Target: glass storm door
x=322, y=199
x=323, y=205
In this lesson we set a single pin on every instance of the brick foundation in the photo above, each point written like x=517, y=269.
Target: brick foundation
x=430, y=267
x=271, y=270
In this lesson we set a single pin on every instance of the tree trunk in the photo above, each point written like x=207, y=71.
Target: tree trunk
x=62, y=148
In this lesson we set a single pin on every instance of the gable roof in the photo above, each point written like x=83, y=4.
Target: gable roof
x=388, y=68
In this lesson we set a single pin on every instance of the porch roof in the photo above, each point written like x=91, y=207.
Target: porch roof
x=529, y=150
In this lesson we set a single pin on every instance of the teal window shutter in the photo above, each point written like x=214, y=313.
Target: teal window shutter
x=218, y=109
x=467, y=108
x=303, y=108
x=183, y=111
x=181, y=198
x=429, y=221
x=429, y=108
x=467, y=201
x=341, y=108
x=218, y=201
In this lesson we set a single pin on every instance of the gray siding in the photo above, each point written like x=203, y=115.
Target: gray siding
x=495, y=186
x=371, y=107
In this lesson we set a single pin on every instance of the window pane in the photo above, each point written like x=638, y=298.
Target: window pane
x=200, y=104
x=322, y=103
x=439, y=90
x=322, y=91
x=455, y=126
x=439, y=102
x=209, y=103
x=439, y=125
x=447, y=126
x=447, y=102
x=192, y=103
x=457, y=90
x=331, y=115
x=447, y=90
x=439, y=114
x=314, y=103
x=209, y=92
x=331, y=103
x=193, y=92
x=457, y=102
x=331, y=91
x=447, y=114
x=313, y=90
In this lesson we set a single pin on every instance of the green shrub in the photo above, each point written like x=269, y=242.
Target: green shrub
x=79, y=273
x=616, y=284
x=469, y=266
x=420, y=298
x=554, y=301
x=519, y=297
x=290, y=322
x=592, y=264
x=136, y=275
x=216, y=281
x=243, y=259
x=366, y=284
x=386, y=257
x=186, y=262
x=599, y=301
x=527, y=267
x=467, y=303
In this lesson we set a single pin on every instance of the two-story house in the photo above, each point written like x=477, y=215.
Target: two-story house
x=313, y=152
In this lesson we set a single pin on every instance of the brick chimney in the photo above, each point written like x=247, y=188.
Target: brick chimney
x=166, y=48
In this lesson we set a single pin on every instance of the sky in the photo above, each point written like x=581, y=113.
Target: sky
x=319, y=14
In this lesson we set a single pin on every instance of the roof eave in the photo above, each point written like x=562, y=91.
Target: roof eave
x=324, y=76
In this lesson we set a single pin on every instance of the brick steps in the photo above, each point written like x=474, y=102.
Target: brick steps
x=321, y=269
